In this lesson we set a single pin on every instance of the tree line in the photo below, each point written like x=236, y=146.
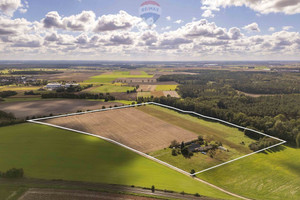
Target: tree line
x=106, y=97
x=277, y=115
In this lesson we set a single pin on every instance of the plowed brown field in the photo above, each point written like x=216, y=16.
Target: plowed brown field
x=128, y=126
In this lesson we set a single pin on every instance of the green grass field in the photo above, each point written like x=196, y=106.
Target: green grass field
x=111, y=88
x=230, y=137
x=49, y=153
x=270, y=176
x=107, y=78
x=16, y=88
x=144, y=94
x=166, y=87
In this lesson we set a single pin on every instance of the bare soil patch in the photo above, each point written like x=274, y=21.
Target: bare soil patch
x=157, y=93
x=46, y=107
x=147, y=88
x=128, y=126
x=78, y=76
x=124, y=96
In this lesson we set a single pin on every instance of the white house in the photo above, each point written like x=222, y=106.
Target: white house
x=53, y=86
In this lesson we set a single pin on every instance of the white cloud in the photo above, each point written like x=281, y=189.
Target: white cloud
x=8, y=7
x=207, y=14
x=178, y=21
x=166, y=28
x=168, y=18
x=271, y=29
x=287, y=28
x=252, y=27
x=263, y=6
x=120, y=21
x=110, y=36
x=81, y=22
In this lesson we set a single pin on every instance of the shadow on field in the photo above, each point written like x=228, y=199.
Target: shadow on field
x=275, y=149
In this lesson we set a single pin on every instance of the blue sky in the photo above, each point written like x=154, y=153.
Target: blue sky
x=186, y=30
x=176, y=9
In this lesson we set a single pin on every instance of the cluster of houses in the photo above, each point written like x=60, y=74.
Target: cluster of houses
x=55, y=86
x=7, y=80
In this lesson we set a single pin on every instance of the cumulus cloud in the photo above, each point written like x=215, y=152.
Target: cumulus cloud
x=14, y=26
x=207, y=14
x=120, y=21
x=271, y=29
x=81, y=22
x=8, y=7
x=116, y=35
x=262, y=6
x=252, y=27
x=168, y=18
x=287, y=28
x=178, y=21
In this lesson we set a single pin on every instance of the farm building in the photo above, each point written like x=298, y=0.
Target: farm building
x=198, y=148
x=53, y=86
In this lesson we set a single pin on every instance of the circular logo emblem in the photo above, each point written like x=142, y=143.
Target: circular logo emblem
x=150, y=11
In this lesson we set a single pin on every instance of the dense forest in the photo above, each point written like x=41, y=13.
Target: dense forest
x=212, y=94
x=249, y=82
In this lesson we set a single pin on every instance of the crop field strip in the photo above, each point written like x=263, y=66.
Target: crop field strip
x=151, y=157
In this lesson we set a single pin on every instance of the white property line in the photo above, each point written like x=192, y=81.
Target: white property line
x=146, y=155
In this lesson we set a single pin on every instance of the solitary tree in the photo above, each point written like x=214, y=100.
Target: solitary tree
x=153, y=188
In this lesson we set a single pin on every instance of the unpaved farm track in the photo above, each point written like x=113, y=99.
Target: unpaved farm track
x=50, y=194
x=128, y=126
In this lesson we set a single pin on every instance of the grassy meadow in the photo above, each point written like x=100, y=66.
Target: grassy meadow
x=107, y=78
x=111, y=88
x=49, y=153
x=273, y=175
x=165, y=87
x=230, y=137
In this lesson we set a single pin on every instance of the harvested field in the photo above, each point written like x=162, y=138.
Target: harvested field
x=49, y=194
x=154, y=83
x=124, y=96
x=46, y=107
x=171, y=93
x=78, y=76
x=128, y=126
x=147, y=88
x=157, y=93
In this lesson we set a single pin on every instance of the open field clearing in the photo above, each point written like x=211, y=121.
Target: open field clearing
x=70, y=75
x=230, y=137
x=109, y=77
x=17, y=89
x=110, y=89
x=273, y=175
x=171, y=94
x=49, y=153
x=46, y=107
x=144, y=94
x=147, y=88
x=128, y=126
x=165, y=87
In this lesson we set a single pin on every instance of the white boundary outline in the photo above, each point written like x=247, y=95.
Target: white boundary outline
x=37, y=121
